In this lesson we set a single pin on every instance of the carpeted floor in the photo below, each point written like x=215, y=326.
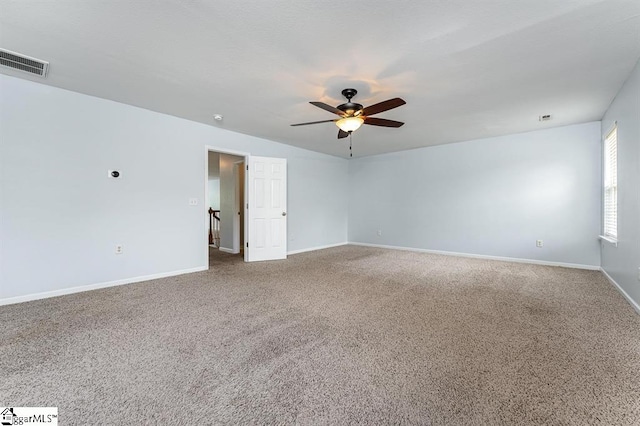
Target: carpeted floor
x=338, y=336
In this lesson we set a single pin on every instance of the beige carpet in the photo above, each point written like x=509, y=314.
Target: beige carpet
x=338, y=336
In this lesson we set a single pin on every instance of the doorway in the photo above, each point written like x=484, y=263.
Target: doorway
x=248, y=234
x=224, y=195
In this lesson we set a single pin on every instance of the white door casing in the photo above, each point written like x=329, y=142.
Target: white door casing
x=267, y=208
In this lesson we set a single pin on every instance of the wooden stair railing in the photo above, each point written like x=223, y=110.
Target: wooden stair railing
x=214, y=227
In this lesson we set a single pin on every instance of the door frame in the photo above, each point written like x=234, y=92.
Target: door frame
x=237, y=241
x=220, y=150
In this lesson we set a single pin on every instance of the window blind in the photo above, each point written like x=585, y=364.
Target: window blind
x=611, y=184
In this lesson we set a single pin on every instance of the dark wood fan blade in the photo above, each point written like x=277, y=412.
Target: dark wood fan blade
x=342, y=134
x=315, y=122
x=326, y=107
x=373, y=121
x=383, y=106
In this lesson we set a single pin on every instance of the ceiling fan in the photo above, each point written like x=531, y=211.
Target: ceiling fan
x=353, y=115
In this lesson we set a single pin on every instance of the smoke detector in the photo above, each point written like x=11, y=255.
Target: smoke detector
x=217, y=117
x=20, y=62
x=545, y=117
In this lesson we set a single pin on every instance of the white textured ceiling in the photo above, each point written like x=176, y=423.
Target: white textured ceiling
x=467, y=69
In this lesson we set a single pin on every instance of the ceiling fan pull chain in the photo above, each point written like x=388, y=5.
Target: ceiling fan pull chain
x=350, y=151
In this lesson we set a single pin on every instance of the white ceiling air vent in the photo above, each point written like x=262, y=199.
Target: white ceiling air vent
x=23, y=63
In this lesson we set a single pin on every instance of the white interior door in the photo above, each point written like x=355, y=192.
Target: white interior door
x=267, y=209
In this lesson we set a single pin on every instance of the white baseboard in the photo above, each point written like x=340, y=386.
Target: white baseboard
x=228, y=250
x=483, y=256
x=316, y=248
x=79, y=289
x=621, y=290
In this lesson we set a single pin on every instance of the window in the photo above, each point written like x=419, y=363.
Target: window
x=611, y=184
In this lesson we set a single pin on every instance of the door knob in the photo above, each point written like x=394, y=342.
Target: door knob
x=284, y=213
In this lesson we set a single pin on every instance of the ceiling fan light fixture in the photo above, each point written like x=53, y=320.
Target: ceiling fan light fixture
x=350, y=124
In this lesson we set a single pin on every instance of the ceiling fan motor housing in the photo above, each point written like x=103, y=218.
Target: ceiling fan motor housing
x=350, y=108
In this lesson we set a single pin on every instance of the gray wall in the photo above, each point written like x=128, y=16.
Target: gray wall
x=622, y=262
x=214, y=180
x=61, y=217
x=493, y=196
x=228, y=212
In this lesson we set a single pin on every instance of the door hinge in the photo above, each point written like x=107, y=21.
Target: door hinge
x=247, y=245
x=247, y=206
x=247, y=167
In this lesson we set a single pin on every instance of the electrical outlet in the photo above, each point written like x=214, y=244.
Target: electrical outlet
x=539, y=243
x=119, y=249
x=193, y=201
x=379, y=233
